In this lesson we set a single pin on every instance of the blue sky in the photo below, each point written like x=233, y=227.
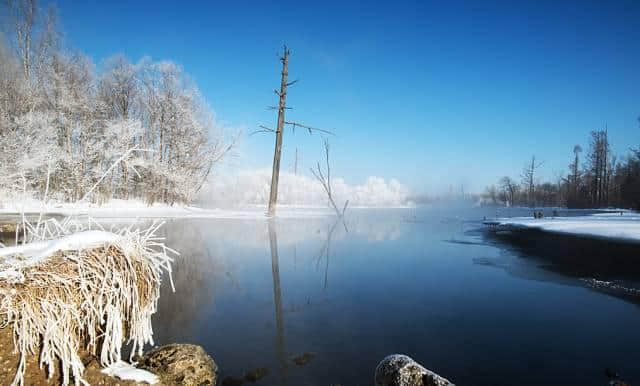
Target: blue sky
x=430, y=93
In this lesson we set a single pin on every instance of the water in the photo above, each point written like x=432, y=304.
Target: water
x=428, y=283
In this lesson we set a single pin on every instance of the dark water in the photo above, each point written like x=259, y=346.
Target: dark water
x=316, y=305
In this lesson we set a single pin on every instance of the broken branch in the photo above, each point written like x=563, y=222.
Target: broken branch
x=311, y=129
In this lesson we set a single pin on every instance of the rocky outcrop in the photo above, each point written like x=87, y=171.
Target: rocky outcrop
x=180, y=364
x=400, y=370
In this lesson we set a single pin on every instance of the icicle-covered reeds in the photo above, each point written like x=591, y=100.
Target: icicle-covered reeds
x=68, y=290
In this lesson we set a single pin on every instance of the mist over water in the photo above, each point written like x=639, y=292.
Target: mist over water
x=251, y=187
x=426, y=282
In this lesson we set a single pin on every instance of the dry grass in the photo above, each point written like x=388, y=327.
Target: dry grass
x=89, y=299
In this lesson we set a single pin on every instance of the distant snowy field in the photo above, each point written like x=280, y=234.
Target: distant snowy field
x=625, y=226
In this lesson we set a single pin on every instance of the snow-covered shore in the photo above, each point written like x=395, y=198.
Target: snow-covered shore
x=139, y=209
x=622, y=226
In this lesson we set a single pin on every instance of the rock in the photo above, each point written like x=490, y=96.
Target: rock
x=180, y=364
x=400, y=370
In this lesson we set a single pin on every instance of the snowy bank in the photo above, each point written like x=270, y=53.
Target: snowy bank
x=120, y=209
x=139, y=209
x=613, y=226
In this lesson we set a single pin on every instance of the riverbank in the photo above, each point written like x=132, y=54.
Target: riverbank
x=621, y=226
x=127, y=209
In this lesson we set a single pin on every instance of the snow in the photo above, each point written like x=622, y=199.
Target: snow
x=123, y=209
x=32, y=253
x=617, y=226
x=139, y=209
x=128, y=372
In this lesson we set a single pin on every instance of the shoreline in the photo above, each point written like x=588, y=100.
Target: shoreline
x=620, y=227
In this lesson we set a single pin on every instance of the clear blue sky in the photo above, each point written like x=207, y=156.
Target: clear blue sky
x=430, y=93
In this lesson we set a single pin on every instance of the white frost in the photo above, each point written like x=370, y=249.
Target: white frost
x=37, y=251
x=128, y=372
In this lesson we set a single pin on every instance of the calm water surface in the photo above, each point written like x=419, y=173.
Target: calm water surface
x=424, y=282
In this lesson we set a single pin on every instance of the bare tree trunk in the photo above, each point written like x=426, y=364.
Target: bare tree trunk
x=530, y=188
x=275, y=175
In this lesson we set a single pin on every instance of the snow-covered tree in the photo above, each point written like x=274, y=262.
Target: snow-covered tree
x=65, y=125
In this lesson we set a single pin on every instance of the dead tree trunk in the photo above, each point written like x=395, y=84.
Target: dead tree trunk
x=279, y=131
x=275, y=174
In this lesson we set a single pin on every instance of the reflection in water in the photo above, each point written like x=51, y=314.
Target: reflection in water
x=277, y=291
x=326, y=251
x=198, y=274
x=277, y=299
x=396, y=286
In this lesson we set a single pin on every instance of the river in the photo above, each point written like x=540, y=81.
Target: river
x=315, y=302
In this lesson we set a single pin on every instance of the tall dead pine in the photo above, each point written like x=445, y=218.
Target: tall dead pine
x=279, y=131
x=275, y=173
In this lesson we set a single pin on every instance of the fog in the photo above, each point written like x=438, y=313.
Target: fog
x=251, y=187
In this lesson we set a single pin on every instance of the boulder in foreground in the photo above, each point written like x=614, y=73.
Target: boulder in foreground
x=180, y=364
x=400, y=370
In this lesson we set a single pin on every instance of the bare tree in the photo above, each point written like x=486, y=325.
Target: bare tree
x=279, y=131
x=24, y=18
x=282, y=105
x=492, y=193
x=510, y=187
x=577, y=149
x=599, y=157
x=528, y=179
x=325, y=181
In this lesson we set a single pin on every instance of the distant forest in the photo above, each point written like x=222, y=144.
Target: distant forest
x=597, y=179
x=129, y=130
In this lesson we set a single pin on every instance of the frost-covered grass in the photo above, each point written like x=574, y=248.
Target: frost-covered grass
x=622, y=225
x=66, y=289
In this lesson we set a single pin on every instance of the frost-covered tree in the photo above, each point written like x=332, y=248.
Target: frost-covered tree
x=28, y=152
x=64, y=125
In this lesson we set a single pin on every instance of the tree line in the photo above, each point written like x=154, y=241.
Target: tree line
x=129, y=130
x=598, y=180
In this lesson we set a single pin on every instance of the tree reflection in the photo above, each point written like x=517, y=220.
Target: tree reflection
x=277, y=299
x=326, y=251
